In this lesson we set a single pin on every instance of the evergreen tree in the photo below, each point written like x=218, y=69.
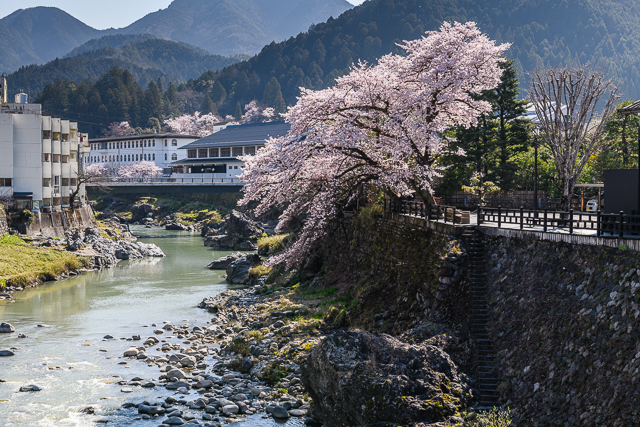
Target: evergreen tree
x=218, y=93
x=272, y=96
x=512, y=129
x=153, y=102
x=621, y=134
x=171, y=108
x=491, y=145
x=238, y=113
x=208, y=106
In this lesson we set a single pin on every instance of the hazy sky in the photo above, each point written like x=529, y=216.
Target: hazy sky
x=100, y=14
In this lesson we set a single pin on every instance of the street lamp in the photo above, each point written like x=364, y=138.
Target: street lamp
x=536, y=133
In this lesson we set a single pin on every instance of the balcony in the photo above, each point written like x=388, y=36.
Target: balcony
x=56, y=169
x=65, y=146
x=56, y=147
x=46, y=192
x=65, y=169
x=46, y=169
x=46, y=146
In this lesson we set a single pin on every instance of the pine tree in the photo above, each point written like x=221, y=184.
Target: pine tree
x=218, y=93
x=238, y=114
x=171, y=108
x=272, y=96
x=208, y=106
x=153, y=102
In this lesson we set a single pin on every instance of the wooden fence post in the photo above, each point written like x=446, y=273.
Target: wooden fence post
x=598, y=219
x=570, y=221
x=499, y=217
x=621, y=231
x=545, y=221
x=521, y=217
x=479, y=213
x=454, y=216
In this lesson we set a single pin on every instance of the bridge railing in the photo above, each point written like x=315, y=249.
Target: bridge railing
x=168, y=181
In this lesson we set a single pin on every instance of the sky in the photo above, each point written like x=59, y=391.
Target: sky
x=99, y=14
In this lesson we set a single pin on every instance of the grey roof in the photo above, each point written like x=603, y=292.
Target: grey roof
x=630, y=109
x=145, y=136
x=242, y=135
x=207, y=161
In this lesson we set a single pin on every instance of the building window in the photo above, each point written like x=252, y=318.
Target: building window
x=56, y=158
x=5, y=182
x=250, y=151
x=46, y=202
x=174, y=156
x=154, y=155
x=202, y=152
x=225, y=152
x=165, y=142
x=65, y=182
x=65, y=159
x=192, y=154
x=46, y=182
x=136, y=157
x=154, y=142
x=165, y=157
x=73, y=182
x=73, y=156
x=174, y=143
x=237, y=151
x=45, y=157
x=46, y=134
x=214, y=152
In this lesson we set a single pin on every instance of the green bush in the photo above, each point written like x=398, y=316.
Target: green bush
x=26, y=216
x=274, y=373
x=270, y=245
x=494, y=418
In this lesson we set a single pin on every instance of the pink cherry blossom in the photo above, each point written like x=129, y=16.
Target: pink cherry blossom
x=118, y=129
x=196, y=124
x=379, y=125
x=140, y=170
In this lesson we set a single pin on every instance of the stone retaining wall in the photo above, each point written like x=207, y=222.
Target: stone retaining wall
x=564, y=320
x=55, y=224
x=4, y=227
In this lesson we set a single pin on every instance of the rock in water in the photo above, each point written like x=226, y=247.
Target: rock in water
x=280, y=412
x=398, y=381
x=6, y=353
x=28, y=388
x=238, y=271
x=224, y=262
x=6, y=328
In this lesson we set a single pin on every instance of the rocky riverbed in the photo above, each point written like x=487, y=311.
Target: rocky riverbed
x=265, y=353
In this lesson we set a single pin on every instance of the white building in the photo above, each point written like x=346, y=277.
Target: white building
x=216, y=155
x=161, y=148
x=38, y=156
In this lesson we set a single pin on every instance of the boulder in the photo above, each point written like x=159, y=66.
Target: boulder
x=399, y=382
x=279, y=412
x=6, y=328
x=6, y=353
x=29, y=388
x=122, y=254
x=75, y=240
x=239, y=225
x=176, y=226
x=238, y=270
x=224, y=262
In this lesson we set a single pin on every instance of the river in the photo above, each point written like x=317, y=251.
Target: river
x=65, y=322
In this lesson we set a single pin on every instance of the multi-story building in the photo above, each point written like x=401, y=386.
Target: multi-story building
x=216, y=155
x=38, y=155
x=161, y=148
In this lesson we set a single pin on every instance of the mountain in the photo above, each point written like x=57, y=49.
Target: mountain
x=225, y=27
x=38, y=35
x=229, y=27
x=602, y=33
x=146, y=57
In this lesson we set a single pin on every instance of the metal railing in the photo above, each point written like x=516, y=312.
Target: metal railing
x=545, y=220
x=168, y=181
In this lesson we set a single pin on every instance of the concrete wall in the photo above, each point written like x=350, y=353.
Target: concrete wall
x=55, y=224
x=6, y=147
x=27, y=154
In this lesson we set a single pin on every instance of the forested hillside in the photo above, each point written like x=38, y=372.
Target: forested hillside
x=543, y=32
x=146, y=57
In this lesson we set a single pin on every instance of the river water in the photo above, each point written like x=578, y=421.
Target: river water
x=65, y=322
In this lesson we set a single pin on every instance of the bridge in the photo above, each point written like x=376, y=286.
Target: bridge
x=168, y=185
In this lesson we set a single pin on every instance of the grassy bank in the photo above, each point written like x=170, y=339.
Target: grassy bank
x=22, y=264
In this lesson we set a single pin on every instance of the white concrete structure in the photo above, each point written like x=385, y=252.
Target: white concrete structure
x=38, y=157
x=163, y=149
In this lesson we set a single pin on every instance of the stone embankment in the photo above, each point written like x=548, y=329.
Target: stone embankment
x=565, y=322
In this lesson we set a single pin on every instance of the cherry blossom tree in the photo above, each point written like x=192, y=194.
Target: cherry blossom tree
x=141, y=170
x=119, y=129
x=92, y=174
x=254, y=113
x=380, y=124
x=197, y=124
